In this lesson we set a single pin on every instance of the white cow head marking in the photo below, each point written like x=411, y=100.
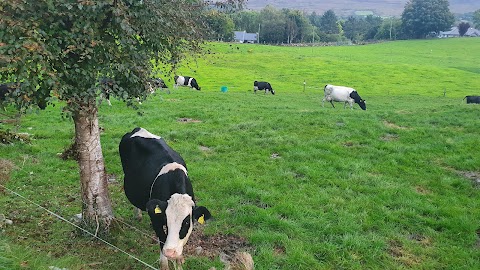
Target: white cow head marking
x=179, y=224
x=177, y=214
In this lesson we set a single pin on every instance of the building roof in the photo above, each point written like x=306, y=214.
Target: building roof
x=471, y=32
x=243, y=36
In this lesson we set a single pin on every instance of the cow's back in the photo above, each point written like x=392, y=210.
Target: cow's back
x=337, y=93
x=142, y=159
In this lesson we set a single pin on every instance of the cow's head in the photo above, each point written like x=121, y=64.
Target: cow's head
x=362, y=103
x=173, y=222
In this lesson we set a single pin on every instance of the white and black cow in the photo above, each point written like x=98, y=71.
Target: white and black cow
x=156, y=180
x=156, y=83
x=472, y=99
x=186, y=81
x=342, y=94
x=262, y=86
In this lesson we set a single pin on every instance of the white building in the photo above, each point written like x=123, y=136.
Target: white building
x=244, y=37
x=471, y=32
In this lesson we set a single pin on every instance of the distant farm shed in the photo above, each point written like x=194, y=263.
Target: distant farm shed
x=244, y=37
x=471, y=32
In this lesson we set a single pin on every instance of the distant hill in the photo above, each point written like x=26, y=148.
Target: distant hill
x=350, y=7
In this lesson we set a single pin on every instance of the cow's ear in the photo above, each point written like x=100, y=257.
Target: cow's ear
x=201, y=214
x=156, y=207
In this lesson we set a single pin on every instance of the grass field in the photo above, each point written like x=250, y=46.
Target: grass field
x=305, y=187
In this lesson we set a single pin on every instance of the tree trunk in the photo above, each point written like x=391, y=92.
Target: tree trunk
x=97, y=209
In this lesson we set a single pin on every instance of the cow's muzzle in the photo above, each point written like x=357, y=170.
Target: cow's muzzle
x=171, y=254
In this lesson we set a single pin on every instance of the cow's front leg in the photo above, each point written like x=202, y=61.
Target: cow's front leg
x=137, y=214
x=163, y=262
x=180, y=262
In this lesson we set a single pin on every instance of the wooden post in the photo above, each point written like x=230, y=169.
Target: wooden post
x=444, y=92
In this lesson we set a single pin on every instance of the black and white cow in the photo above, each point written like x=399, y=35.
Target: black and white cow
x=186, y=81
x=262, y=86
x=472, y=99
x=156, y=83
x=342, y=94
x=156, y=180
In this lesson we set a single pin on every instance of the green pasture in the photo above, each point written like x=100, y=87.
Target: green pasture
x=306, y=186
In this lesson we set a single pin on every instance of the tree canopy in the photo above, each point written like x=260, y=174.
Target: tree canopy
x=59, y=50
x=476, y=18
x=422, y=17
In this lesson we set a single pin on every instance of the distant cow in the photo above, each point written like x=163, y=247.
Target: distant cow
x=156, y=83
x=6, y=88
x=262, y=86
x=156, y=180
x=342, y=94
x=186, y=81
x=472, y=99
x=106, y=85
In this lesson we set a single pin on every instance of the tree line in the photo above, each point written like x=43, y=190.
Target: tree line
x=420, y=19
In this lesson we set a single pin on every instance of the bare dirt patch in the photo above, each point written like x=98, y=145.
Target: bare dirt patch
x=477, y=245
x=389, y=137
x=205, y=148
x=274, y=156
x=392, y=125
x=401, y=254
x=188, y=120
x=421, y=239
x=422, y=190
x=70, y=153
x=7, y=137
x=212, y=246
x=6, y=167
x=473, y=176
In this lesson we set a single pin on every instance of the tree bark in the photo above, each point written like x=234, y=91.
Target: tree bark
x=97, y=210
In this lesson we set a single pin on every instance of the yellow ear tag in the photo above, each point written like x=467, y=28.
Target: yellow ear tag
x=158, y=210
x=201, y=219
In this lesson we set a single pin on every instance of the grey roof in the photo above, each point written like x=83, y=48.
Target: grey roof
x=244, y=36
x=471, y=32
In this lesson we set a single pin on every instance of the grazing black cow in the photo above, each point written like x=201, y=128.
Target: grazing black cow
x=186, y=81
x=156, y=83
x=156, y=180
x=262, y=86
x=342, y=94
x=6, y=88
x=472, y=99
